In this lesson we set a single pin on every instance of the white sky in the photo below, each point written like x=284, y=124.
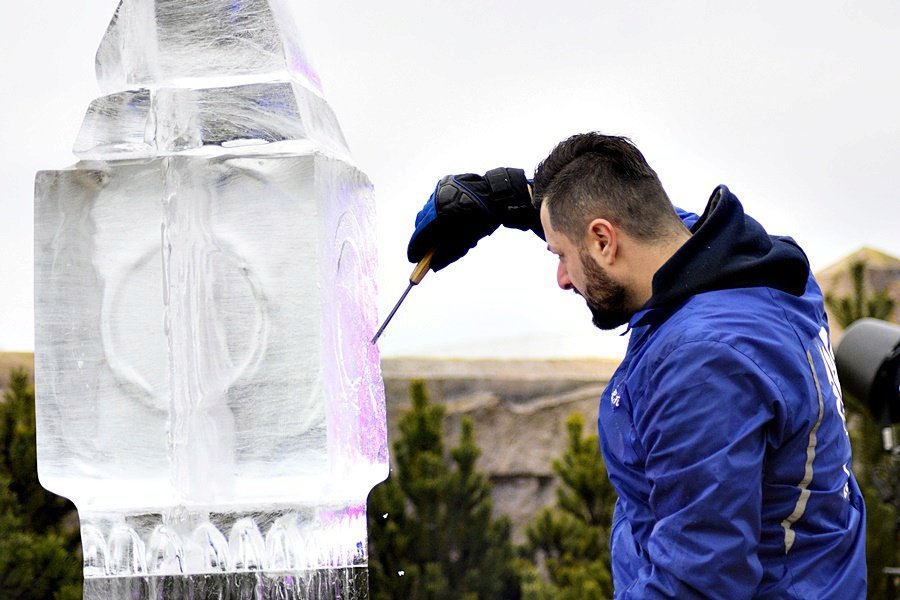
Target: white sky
x=793, y=105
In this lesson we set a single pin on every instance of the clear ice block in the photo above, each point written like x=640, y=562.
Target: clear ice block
x=206, y=392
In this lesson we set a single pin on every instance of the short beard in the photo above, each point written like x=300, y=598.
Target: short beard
x=606, y=298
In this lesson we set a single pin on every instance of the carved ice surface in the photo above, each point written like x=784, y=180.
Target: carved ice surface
x=207, y=395
x=153, y=43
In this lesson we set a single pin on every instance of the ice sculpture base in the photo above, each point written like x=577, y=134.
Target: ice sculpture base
x=350, y=583
x=290, y=541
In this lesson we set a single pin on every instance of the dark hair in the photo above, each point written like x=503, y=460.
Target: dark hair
x=592, y=175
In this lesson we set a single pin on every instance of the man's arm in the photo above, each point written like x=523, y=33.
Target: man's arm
x=702, y=426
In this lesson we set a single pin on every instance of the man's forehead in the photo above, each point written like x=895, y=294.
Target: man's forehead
x=549, y=232
x=545, y=216
x=556, y=243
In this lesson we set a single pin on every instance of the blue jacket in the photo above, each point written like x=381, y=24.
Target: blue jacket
x=723, y=429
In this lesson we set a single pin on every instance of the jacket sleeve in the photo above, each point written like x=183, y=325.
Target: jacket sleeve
x=701, y=422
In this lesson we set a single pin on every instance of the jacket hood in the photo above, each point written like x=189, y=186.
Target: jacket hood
x=728, y=249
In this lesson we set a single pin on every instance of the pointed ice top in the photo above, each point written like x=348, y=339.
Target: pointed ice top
x=193, y=43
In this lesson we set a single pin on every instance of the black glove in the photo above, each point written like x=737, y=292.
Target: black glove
x=465, y=208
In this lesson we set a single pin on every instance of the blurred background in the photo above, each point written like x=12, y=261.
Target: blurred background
x=793, y=106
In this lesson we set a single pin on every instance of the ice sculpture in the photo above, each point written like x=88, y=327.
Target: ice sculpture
x=207, y=395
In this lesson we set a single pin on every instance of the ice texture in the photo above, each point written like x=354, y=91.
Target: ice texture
x=141, y=123
x=206, y=392
x=162, y=43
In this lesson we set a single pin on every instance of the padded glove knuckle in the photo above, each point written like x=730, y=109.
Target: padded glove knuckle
x=456, y=199
x=449, y=199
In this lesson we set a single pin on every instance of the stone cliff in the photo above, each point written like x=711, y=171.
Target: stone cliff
x=519, y=410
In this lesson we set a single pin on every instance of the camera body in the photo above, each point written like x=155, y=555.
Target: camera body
x=868, y=363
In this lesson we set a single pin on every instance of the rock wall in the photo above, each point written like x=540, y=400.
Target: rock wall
x=519, y=410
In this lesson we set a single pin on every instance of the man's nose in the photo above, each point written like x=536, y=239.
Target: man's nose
x=562, y=277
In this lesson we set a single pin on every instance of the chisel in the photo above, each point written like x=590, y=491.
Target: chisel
x=418, y=275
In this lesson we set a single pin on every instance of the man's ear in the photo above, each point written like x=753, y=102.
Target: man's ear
x=602, y=241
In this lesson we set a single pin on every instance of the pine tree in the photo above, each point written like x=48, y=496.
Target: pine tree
x=569, y=544
x=431, y=533
x=859, y=304
x=877, y=475
x=39, y=537
x=877, y=472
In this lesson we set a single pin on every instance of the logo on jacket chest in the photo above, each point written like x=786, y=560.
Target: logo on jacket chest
x=615, y=398
x=622, y=447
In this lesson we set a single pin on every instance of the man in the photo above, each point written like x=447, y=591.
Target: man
x=723, y=428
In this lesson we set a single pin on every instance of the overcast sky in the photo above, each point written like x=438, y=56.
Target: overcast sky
x=793, y=105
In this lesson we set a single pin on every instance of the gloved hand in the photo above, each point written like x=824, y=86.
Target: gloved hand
x=465, y=208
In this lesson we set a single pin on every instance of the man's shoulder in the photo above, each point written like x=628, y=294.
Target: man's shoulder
x=763, y=324
x=725, y=315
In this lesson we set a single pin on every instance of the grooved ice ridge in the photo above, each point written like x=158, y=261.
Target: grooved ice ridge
x=288, y=541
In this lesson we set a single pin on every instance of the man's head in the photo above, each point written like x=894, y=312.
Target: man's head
x=608, y=218
x=592, y=174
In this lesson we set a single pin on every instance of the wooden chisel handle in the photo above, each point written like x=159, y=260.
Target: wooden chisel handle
x=422, y=267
